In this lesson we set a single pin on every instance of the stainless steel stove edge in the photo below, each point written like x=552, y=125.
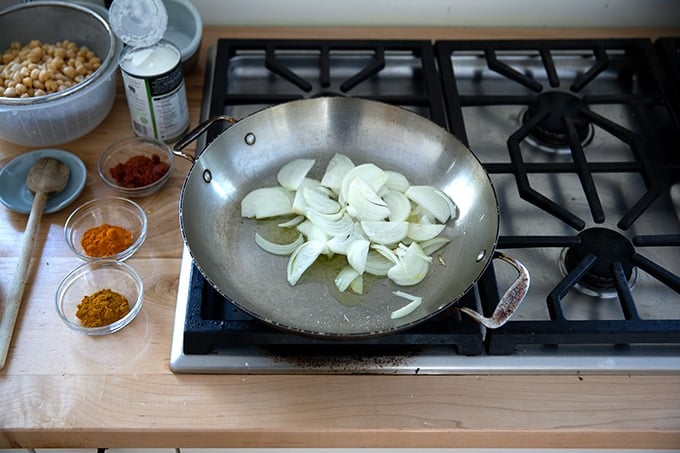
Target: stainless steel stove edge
x=432, y=361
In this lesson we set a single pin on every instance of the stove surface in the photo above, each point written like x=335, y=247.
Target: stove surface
x=577, y=137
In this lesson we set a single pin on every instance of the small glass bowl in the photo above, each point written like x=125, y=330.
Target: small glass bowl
x=113, y=211
x=120, y=151
x=93, y=276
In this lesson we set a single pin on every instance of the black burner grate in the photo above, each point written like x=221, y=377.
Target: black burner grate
x=650, y=158
x=669, y=52
x=396, y=72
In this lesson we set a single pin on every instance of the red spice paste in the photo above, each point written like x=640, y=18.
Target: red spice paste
x=139, y=171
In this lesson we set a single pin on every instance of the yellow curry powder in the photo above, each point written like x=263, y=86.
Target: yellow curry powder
x=105, y=240
x=102, y=308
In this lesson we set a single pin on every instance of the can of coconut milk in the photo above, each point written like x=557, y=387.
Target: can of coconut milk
x=155, y=90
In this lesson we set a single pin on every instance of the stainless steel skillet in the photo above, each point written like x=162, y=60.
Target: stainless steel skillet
x=249, y=154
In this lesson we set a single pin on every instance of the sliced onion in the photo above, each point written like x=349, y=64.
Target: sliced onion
x=299, y=202
x=411, y=268
x=336, y=170
x=357, y=252
x=339, y=244
x=371, y=174
x=431, y=200
x=398, y=204
x=291, y=175
x=452, y=206
x=423, y=231
x=319, y=201
x=278, y=249
x=364, y=202
x=418, y=215
x=396, y=181
x=339, y=224
x=312, y=232
x=360, y=212
x=377, y=264
x=345, y=277
x=415, y=249
x=302, y=258
x=386, y=252
x=295, y=221
x=434, y=244
x=357, y=285
x=267, y=202
x=408, y=308
x=385, y=232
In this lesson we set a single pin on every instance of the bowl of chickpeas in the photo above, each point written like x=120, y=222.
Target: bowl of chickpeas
x=58, y=69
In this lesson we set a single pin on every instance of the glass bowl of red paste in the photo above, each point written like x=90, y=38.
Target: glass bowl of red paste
x=136, y=166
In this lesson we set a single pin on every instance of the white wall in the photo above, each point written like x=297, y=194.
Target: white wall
x=474, y=13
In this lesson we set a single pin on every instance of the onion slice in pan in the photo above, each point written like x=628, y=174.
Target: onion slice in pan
x=383, y=225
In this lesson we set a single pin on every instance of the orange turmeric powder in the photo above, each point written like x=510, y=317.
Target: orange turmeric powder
x=105, y=240
x=102, y=308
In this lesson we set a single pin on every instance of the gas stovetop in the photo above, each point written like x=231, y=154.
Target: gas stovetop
x=579, y=140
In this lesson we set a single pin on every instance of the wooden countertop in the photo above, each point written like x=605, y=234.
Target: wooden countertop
x=62, y=389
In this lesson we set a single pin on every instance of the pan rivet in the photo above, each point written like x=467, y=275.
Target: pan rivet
x=250, y=138
x=207, y=176
x=480, y=256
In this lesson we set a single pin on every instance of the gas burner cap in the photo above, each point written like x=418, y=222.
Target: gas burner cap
x=609, y=247
x=551, y=134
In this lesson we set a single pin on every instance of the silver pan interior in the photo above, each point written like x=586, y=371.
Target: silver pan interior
x=222, y=243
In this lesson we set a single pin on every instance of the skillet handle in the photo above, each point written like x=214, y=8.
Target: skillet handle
x=194, y=133
x=510, y=300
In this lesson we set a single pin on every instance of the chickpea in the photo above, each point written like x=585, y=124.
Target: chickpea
x=51, y=86
x=55, y=63
x=35, y=55
x=44, y=75
x=69, y=71
x=36, y=69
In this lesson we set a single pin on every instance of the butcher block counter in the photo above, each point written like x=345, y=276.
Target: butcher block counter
x=63, y=389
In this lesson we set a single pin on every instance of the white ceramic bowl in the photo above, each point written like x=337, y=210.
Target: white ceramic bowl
x=185, y=30
x=93, y=276
x=64, y=116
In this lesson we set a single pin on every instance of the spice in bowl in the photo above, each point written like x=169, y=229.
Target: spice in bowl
x=106, y=228
x=102, y=308
x=99, y=297
x=105, y=240
x=139, y=171
x=136, y=166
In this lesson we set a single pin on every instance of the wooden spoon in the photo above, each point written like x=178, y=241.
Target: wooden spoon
x=46, y=177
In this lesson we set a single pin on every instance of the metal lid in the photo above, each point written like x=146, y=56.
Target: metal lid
x=138, y=23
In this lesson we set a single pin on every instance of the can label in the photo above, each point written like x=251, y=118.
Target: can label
x=157, y=102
